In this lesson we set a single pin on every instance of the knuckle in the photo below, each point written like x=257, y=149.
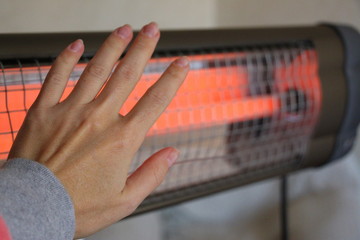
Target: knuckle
x=158, y=175
x=56, y=78
x=128, y=72
x=36, y=116
x=92, y=124
x=94, y=120
x=157, y=97
x=96, y=71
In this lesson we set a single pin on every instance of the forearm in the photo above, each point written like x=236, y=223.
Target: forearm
x=33, y=202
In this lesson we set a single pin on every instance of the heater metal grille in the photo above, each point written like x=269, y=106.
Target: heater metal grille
x=243, y=112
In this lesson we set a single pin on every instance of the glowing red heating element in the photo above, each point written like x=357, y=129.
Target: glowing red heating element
x=215, y=95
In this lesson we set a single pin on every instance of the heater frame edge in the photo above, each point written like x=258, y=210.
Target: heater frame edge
x=347, y=133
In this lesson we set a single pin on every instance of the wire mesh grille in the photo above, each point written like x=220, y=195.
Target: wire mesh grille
x=241, y=111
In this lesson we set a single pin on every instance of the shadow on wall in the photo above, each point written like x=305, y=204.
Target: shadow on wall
x=242, y=13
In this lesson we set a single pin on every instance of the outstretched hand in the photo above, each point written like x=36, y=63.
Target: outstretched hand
x=84, y=140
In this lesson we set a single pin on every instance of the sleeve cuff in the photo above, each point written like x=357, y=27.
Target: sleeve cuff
x=34, y=203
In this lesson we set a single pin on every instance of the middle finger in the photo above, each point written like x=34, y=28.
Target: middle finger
x=130, y=68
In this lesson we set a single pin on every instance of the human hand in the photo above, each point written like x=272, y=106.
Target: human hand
x=86, y=143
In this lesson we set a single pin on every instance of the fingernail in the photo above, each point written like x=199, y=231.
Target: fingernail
x=124, y=31
x=151, y=29
x=173, y=155
x=76, y=46
x=182, y=62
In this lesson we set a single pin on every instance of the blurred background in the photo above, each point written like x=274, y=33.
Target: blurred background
x=324, y=203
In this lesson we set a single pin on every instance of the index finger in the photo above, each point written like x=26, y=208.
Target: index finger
x=158, y=97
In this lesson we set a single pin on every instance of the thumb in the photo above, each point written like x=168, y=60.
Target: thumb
x=149, y=175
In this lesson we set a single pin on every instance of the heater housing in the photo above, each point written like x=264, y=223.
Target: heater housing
x=257, y=103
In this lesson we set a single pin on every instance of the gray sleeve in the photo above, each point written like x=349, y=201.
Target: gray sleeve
x=33, y=202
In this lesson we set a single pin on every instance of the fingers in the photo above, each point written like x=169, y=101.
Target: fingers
x=158, y=97
x=59, y=74
x=131, y=67
x=149, y=175
x=101, y=65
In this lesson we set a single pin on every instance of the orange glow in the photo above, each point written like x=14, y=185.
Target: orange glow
x=208, y=97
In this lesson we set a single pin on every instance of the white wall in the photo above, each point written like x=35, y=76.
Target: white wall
x=286, y=12
x=91, y=15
